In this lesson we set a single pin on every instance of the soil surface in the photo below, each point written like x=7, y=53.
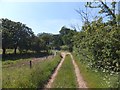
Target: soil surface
x=80, y=80
x=56, y=71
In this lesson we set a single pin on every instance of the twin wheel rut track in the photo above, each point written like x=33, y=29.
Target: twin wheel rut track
x=80, y=81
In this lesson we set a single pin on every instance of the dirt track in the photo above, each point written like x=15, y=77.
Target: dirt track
x=80, y=81
x=56, y=71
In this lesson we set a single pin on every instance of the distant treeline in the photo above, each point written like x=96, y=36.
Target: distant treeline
x=16, y=35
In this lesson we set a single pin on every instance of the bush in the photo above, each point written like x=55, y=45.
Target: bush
x=65, y=48
x=101, y=46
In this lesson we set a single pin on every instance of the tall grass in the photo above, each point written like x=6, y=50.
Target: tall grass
x=66, y=76
x=0, y=51
x=24, y=77
x=94, y=78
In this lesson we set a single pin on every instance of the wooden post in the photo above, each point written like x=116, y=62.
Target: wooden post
x=61, y=56
x=55, y=53
x=30, y=64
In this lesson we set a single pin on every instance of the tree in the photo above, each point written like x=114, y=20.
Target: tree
x=57, y=41
x=105, y=9
x=47, y=39
x=118, y=19
x=6, y=34
x=98, y=41
x=67, y=35
x=14, y=35
x=25, y=35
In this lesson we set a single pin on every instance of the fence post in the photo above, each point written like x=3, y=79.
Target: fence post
x=30, y=64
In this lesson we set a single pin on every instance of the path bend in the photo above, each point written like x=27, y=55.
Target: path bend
x=49, y=84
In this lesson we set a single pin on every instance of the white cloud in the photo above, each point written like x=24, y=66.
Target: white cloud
x=57, y=22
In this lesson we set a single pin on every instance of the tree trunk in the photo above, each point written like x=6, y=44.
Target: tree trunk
x=4, y=51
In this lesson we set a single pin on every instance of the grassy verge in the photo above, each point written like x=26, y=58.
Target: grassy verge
x=66, y=76
x=24, y=77
x=96, y=79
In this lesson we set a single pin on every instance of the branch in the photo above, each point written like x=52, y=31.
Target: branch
x=110, y=12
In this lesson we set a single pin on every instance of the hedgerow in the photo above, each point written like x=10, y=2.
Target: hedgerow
x=100, y=44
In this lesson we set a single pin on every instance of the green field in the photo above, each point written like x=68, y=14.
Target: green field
x=24, y=77
x=66, y=76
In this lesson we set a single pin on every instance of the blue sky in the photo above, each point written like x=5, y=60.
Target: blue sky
x=44, y=16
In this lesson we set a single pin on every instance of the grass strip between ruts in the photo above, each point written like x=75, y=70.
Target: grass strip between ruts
x=66, y=75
